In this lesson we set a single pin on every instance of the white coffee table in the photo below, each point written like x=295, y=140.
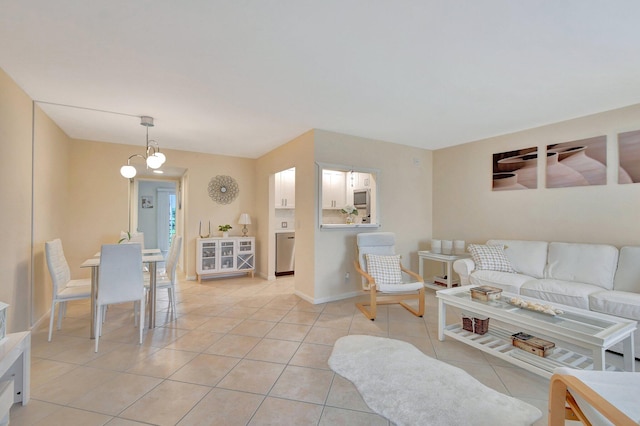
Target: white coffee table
x=592, y=331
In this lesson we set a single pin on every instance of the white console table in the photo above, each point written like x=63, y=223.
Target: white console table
x=15, y=368
x=447, y=267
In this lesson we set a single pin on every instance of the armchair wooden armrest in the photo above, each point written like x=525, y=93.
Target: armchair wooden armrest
x=563, y=387
x=371, y=281
x=412, y=274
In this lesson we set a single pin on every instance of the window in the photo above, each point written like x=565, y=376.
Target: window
x=344, y=190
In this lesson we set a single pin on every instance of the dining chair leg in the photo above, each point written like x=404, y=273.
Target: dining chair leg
x=142, y=312
x=60, y=313
x=98, y=325
x=53, y=308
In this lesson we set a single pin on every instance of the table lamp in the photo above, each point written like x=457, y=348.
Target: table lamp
x=244, y=220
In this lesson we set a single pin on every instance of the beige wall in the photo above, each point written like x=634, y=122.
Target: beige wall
x=465, y=207
x=200, y=207
x=51, y=190
x=99, y=197
x=404, y=191
x=15, y=191
x=297, y=153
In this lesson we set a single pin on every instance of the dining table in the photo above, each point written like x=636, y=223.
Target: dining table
x=150, y=257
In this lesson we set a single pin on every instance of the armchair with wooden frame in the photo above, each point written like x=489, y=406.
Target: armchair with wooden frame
x=594, y=397
x=381, y=272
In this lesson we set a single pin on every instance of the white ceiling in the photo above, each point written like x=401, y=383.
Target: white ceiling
x=242, y=77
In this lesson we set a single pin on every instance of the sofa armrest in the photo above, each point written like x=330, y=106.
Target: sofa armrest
x=463, y=268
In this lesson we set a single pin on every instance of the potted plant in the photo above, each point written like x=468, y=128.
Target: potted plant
x=350, y=211
x=225, y=230
x=125, y=237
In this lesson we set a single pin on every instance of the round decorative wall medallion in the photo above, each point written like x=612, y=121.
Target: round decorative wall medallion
x=223, y=189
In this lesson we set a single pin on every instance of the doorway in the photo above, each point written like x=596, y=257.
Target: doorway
x=156, y=212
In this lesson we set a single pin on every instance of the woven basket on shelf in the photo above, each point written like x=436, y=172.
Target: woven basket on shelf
x=475, y=325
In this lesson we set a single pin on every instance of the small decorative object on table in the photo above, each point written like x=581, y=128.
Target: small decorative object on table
x=350, y=211
x=485, y=293
x=225, y=230
x=532, y=344
x=538, y=307
x=477, y=325
x=441, y=280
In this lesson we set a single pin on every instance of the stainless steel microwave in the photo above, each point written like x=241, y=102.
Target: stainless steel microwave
x=362, y=199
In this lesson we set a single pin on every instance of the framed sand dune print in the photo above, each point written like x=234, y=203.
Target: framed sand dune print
x=513, y=170
x=629, y=154
x=577, y=163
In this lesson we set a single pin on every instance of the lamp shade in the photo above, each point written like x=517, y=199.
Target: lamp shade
x=245, y=219
x=154, y=161
x=161, y=156
x=128, y=171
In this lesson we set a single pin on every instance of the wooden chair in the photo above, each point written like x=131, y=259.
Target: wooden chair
x=594, y=397
x=382, y=278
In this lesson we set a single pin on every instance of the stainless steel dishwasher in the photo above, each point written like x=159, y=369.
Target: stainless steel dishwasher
x=285, y=250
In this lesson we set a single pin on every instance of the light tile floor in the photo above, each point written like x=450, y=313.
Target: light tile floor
x=242, y=351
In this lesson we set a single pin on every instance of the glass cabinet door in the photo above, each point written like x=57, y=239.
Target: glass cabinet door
x=227, y=254
x=209, y=256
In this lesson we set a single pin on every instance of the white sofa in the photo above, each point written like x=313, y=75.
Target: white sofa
x=597, y=277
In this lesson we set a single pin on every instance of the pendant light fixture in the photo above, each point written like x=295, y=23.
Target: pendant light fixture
x=153, y=157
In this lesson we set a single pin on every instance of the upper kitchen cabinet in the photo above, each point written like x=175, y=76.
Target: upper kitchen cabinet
x=361, y=180
x=286, y=189
x=334, y=189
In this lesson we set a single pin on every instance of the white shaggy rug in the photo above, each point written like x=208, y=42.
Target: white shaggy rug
x=404, y=385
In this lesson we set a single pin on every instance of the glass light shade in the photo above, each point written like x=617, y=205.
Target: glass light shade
x=154, y=161
x=245, y=219
x=128, y=171
x=161, y=156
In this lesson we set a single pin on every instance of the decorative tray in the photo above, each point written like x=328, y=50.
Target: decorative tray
x=538, y=307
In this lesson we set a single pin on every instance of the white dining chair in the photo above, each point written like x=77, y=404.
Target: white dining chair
x=120, y=280
x=169, y=278
x=64, y=289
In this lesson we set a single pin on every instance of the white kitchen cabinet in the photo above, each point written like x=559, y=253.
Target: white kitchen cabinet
x=224, y=256
x=285, y=189
x=361, y=180
x=334, y=189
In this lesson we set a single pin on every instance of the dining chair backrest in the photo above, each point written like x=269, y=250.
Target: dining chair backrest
x=57, y=264
x=120, y=277
x=172, y=260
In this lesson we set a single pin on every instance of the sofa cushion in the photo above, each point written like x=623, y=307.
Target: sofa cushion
x=583, y=263
x=526, y=257
x=619, y=303
x=628, y=272
x=490, y=257
x=564, y=292
x=507, y=281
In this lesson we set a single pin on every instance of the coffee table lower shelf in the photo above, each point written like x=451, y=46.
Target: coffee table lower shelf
x=497, y=342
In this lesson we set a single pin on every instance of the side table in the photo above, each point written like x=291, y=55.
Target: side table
x=447, y=266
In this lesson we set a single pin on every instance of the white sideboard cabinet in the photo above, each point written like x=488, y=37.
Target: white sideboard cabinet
x=219, y=256
x=15, y=372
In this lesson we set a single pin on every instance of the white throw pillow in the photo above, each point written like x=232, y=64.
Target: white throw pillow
x=490, y=257
x=384, y=269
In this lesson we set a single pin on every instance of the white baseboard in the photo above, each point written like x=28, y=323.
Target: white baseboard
x=44, y=318
x=328, y=298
